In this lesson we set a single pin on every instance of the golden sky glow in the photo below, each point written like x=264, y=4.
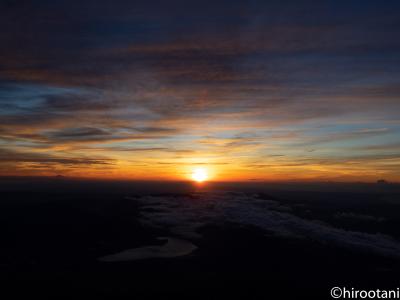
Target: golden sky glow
x=239, y=92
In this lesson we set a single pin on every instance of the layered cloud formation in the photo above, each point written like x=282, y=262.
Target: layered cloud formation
x=150, y=89
x=184, y=215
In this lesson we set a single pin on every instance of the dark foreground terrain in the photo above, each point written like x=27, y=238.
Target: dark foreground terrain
x=253, y=242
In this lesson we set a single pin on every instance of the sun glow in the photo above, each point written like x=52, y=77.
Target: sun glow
x=199, y=175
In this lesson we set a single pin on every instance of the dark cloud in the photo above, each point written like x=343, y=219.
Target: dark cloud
x=156, y=129
x=85, y=133
x=7, y=156
x=144, y=149
x=75, y=103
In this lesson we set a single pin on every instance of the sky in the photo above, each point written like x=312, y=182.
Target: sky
x=247, y=90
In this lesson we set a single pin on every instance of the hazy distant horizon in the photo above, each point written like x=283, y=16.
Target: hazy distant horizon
x=26, y=183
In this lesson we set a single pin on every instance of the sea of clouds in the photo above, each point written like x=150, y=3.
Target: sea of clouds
x=184, y=215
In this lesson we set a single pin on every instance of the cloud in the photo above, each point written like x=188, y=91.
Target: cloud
x=166, y=75
x=85, y=133
x=185, y=215
x=381, y=147
x=173, y=248
x=77, y=103
x=343, y=136
x=7, y=156
x=359, y=217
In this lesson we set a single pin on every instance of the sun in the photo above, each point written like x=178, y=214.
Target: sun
x=199, y=175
